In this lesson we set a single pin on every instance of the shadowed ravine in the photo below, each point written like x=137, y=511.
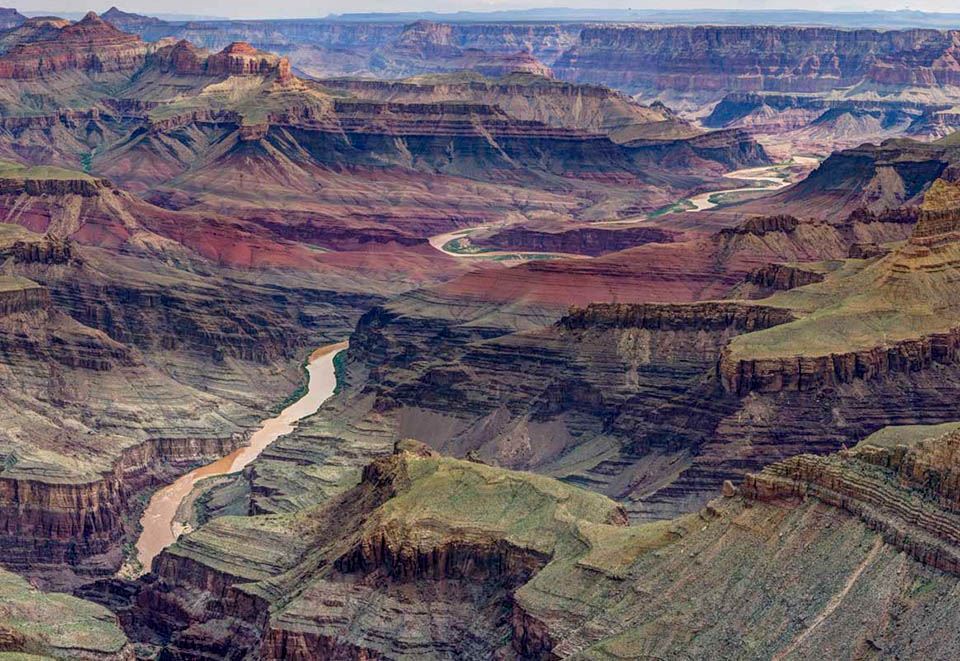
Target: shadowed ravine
x=159, y=528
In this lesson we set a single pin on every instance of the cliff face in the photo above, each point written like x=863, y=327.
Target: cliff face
x=784, y=111
x=237, y=59
x=690, y=317
x=920, y=272
x=765, y=280
x=85, y=187
x=713, y=61
x=877, y=178
x=18, y=295
x=64, y=489
x=908, y=493
x=839, y=526
x=242, y=59
x=612, y=376
x=81, y=524
x=525, y=96
x=847, y=121
x=86, y=309
x=819, y=372
x=10, y=18
x=91, y=45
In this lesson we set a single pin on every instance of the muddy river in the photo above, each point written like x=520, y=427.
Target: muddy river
x=160, y=530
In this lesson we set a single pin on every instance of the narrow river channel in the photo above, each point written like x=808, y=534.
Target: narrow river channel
x=160, y=530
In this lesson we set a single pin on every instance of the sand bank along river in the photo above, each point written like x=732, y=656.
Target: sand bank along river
x=160, y=530
x=768, y=175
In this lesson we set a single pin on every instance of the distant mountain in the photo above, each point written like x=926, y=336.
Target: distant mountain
x=10, y=18
x=123, y=19
x=76, y=15
x=876, y=19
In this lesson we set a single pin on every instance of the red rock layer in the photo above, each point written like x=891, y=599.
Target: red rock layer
x=91, y=45
x=723, y=59
x=240, y=59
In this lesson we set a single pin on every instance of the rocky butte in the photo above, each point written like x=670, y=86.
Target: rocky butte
x=91, y=44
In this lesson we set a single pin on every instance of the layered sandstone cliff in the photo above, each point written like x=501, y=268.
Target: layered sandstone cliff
x=916, y=336
x=908, y=493
x=316, y=583
x=90, y=45
x=526, y=96
x=705, y=61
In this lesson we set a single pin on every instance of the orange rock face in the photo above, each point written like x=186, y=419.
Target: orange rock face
x=240, y=59
x=91, y=45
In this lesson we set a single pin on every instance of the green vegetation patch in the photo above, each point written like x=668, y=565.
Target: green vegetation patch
x=12, y=169
x=894, y=435
x=339, y=371
x=463, y=246
x=55, y=621
x=682, y=206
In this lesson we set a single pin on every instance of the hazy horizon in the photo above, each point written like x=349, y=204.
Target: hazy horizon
x=252, y=9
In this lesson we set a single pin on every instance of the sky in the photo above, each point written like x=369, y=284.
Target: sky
x=313, y=8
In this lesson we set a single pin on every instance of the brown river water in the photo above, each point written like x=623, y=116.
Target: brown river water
x=160, y=530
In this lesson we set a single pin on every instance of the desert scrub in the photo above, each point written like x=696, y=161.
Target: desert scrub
x=339, y=371
x=677, y=207
x=299, y=392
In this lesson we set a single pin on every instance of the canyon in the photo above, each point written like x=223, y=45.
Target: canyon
x=136, y=250
x=396, y=337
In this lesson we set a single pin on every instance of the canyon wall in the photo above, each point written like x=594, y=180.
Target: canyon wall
x=713, y=61
x=926, y=527
x=90, y=45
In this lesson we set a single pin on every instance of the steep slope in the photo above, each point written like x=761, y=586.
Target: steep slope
x=877, y=177
x=843, y=558
x=619, y=398
x=894, y=305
